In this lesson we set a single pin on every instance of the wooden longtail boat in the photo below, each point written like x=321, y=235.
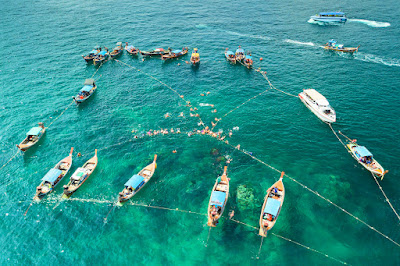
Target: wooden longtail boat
x=87, y=90
x=248, y=61
x=137, y=182
x=131, y=49
x=80, y=176
x=239, y=54
x=366, y=159
x=91, y=55
x=175, y=54
x=218, y=199
x=333, y=46
x=100, y=57
x=272, y=206
x=54, y=176
x=117, y=51
x=155, y=52
x=230, y=56
x=195, y=58
x=32, y=137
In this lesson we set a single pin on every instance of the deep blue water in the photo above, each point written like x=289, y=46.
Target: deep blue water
x=42, y=68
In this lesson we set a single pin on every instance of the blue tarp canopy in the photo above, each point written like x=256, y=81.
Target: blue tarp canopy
x=129, y=47
x=176, y=51
x=93, y=52
x=229, y=53
x=52, y=175
x=272, y=206
x=249, y=57
x=35, y=131
x=332, y=41
x=134, y=181
x=362, y=151
x=331, y=13
x=102, y=53
x=86, y=88
x=240, y=50
x=218, y=198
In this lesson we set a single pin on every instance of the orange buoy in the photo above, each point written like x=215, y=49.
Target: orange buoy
x=261, y=58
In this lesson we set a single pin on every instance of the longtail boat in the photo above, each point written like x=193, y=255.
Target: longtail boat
x=117, y=50
x=131, y=49
x=100, y=57
x=32, y=137
x=248, y=61
x=218, y=199
x=195, y=58
x=366, y=159
x=137, y=182
x=87, y=90
x=90, y=56
x=272, y=206
x=155, y=52
x=239, y=54
x=230, y=56
x=53, y=177
x=333, y=46
x=80, y=176
x=175, y=54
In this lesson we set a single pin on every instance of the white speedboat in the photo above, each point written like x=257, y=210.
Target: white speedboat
x=318, y=104
x=330, y=17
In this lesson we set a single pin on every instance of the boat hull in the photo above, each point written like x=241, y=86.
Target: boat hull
x=329, y=19
x=213, y=220
x=344, y=50
x=316, y=112
x=26, y=145
x=375, y=168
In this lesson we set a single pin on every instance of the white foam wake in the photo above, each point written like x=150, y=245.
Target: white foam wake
x=299, y=43
x=260, y=37
x=371, y=23
x=376, y=59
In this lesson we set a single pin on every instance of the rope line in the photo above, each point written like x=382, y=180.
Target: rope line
x=273, y=87
x=319, y=195
x=68, y=106
x=384, y=194
x=12, y=157
x=161, y=82
x=98, y=68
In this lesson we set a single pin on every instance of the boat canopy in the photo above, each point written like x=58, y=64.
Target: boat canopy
x=52, y=175
x=78, y=173
x=362, y=151
x=93, y=52
x=86, y=88
x=218, y=198
x=159, y=49
x=317, y=97
x=332, y=41
x=240, y=50
x=272, y=206
x=117, y=48
x=129, y=47
x=102, y=53
x=229, y=53
x=196, y=55
x=176, y=51
x=134, y=181
x=35, y=131
x=119, y=43
x=89, y=82
x=249, y=57
x=331, y=14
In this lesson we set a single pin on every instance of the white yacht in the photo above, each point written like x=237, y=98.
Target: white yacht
x=318, y=104
x=330, y=17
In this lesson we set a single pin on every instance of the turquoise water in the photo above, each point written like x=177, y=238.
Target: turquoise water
x=42, y=68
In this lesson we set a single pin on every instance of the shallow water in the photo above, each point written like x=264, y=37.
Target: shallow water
x=42, y=69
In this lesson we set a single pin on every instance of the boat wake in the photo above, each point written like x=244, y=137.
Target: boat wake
x=371, y=23
x=91, y=200
x=376, y=59
x=299, y=43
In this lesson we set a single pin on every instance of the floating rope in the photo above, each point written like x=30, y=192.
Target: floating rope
x=12, y=157
x=319, y=195
x=68, y=106
x=263, y=73
x=380, y=187
x=169, y=87
x=237, y=107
